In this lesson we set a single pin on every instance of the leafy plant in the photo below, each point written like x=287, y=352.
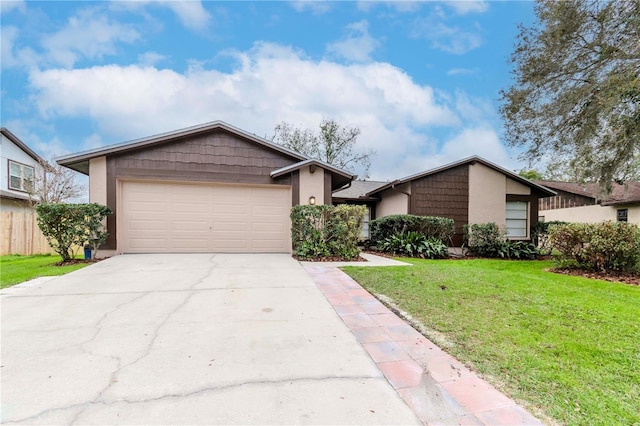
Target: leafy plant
x=488, y=240
x=72, y=225
x=414, y=244
x=441, y=228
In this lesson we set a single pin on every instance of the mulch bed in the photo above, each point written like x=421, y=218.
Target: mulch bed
x=631, y=279
x=331, y=259
x=77, y=261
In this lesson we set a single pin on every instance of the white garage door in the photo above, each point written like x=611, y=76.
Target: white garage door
x=160, y=217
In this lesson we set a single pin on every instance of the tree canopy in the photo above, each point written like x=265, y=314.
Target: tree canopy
x=575, y=101
x=334, y=144
x=56, y=184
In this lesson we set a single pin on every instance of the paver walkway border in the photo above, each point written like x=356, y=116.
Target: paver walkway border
x=439, y=389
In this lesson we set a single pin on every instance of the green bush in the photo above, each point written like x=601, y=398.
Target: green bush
x=441, y=228
x=540, y=236
x=606, y=246
x=414, y=244
x=69, y=225
x=488, y=240
x=323, y=231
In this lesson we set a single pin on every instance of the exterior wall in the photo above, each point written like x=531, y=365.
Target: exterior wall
x=218, y=156
x=10, y=151
x=487, y=195
x=517, y=188
x=444, y=194
x=565, y=200
x=393, y=202
x=312, y=185
x=591, y=214
x=98, y=180
x=15, y=206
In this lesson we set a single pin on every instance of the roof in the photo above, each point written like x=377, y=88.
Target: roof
x=358, y=189
x=80, y=161
x=625, y=193
x=336, y=172
x=31, y=153
x=470, y=160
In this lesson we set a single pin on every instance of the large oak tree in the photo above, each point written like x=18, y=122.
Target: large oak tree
x=575, y=101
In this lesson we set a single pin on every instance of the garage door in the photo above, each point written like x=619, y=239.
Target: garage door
x=183, y=218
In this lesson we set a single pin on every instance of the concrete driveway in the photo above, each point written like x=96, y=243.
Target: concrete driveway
x=186, y=339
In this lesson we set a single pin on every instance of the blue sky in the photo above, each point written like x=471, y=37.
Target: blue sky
x=420, y=79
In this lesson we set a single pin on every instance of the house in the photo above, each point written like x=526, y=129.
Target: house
x=469, y=191
x=576, y=202
x=207, y=188
x=19, y=167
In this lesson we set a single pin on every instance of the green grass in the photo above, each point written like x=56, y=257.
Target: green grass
x=15, y=269
x=566, y=346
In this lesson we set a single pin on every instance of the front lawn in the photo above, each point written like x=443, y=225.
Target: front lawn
x=15, y=269
x=567, y=346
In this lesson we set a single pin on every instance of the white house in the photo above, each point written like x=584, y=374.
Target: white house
x=19, y=167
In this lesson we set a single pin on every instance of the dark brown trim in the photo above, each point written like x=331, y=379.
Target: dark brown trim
x=112, y=219
x=327, y=187
x=295, y=188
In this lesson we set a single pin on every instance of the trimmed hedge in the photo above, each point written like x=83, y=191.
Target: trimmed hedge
x=606, y=246
x=489, y=240
x=440, y=228
x=326, y=231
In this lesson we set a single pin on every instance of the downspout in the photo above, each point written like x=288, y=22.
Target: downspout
x=393, y=188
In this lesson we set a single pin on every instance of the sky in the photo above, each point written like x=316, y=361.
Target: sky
x=421, y=80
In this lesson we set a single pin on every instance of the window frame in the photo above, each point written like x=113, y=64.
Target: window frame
x=526, y=219
x=622, y=217
x=23, y=167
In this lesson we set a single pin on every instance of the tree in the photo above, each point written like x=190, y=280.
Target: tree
x=531, y=174
x=333, y=144
x=55, y=184
x=68, y=227
x=576, y=97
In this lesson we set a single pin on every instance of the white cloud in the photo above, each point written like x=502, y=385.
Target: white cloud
x=450, y=39
x=13, y=56
x=9, y=5
x=271, y=83
x=399, y=5
x=462, y=7
x=190, y=13
x=317, y=7
x=357, y=46
x=150, y=58
x=88, y=34
x=463, y=71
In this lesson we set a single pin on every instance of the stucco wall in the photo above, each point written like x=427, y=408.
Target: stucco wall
x=517, y=188
x=393, y=202
x=487, y=195
x=311, y=184
x=591, y=214
x=98, y=180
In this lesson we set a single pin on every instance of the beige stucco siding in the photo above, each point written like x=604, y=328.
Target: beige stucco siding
x=311, y=185
x=591, y=214
x=98, y=180
x=517, y=188
x=393, y=201
x=487, y=195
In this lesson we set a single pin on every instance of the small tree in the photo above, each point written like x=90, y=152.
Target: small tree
x=69, y=226
x=55, y=184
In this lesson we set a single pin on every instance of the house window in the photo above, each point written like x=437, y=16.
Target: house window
x=623, y=215
x=517, y=214
x=20, y=177
x=365, y=223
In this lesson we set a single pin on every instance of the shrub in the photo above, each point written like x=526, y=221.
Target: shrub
x=441, y=228
x=540, y=236
x=414, y=244
x=606, y=246
x=488, y=240
x=322, y=231
x=69, y=225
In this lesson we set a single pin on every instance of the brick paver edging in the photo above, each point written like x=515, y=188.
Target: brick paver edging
x=438, y=388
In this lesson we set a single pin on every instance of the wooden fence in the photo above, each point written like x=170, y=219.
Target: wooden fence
x=20, y=234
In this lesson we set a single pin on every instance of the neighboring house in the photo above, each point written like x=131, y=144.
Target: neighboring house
x=577, y=202
x=469, y=191
x=207, y=188
x=19, y=167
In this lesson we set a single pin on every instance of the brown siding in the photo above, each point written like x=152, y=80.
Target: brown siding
x=564, y=200
x=215, y=157
x=533, y=208
x=444, y=194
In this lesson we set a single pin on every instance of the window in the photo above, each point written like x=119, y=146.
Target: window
x=365, y=223
x=623, y=215
x=20, y=177
x=517, y=214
